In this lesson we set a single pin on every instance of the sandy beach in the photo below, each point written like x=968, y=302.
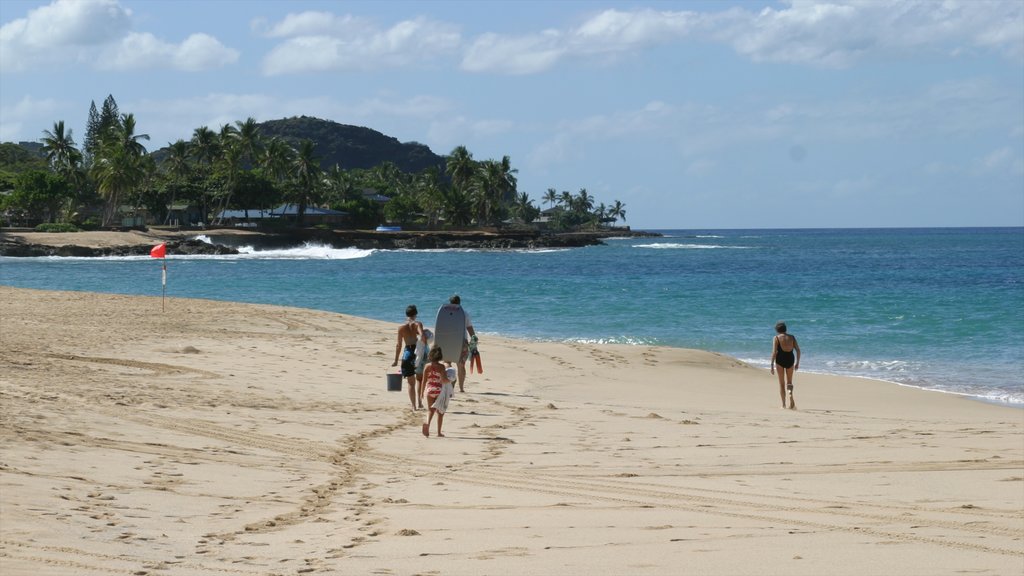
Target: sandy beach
x=222, y=438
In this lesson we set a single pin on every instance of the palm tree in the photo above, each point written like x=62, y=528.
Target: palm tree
x=305, y=169
x=600, y=214
x=129, y=140
x=117, y=171
x=460, y=167
x=64, y=158
x=204, y=145
x=583, y=203
x=617, y=211
x=429, y=194
x=488, y=192
x=230, y=164
x=59, y=147
x=458, y=209
x=565, y=199
x=205, y=149
x=121, y=165
x=275, y=159
x=525, y=209
x=247, y=137
x=551, y=196
x=178, y=167
x=339, y=185
x=508, y=180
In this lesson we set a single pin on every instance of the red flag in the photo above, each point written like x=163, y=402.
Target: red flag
x=158, y=251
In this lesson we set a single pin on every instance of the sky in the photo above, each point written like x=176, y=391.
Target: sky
x=695, y=115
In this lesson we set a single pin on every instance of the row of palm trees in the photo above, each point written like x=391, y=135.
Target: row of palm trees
x=236, y=167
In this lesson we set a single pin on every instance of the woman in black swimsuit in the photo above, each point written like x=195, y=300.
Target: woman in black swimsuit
x=783, y=347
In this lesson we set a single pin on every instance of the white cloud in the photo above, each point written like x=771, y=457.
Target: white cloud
x=98, y=33
x=514, y=55
x=615, y=31
x=28, y=111
x=838, y=33
x=202, y=52
x=138, y=51
x=832, y=34
x=312, y=24
x=321, y=42
x=1002, y=160
x=609, y=32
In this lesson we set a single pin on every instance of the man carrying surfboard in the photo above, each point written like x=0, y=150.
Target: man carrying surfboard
x=409, y=334
x=470, y=333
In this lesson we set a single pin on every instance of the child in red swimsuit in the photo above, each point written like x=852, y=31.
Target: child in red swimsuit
x=434, y=379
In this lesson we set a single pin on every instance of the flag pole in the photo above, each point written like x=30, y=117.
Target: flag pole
x=163, y=295
x=160, y=251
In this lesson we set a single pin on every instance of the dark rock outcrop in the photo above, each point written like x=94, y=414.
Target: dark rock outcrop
x=10, y=248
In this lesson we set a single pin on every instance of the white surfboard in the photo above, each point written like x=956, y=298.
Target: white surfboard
x=450, y=331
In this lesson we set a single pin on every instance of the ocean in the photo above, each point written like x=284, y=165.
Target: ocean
x=939, y=309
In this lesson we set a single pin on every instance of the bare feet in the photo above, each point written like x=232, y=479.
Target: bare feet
x=426, y=430
x=439, y=435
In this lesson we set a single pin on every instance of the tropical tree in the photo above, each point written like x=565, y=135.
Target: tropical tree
x=305, y=172
x=205, y=146
x=617, y=211
x=565, y=199
x=247, y=138
x=430, y=194
x=583, y=203
x=178, y=167
x=64, y=159
x=551, y=197
x=124, y=132
x=229, y=165
x=39, y=194
x=59, y=148
x=487, y=191
x=600, y=214
x=461, y=168
x=121, y=165
x=525, y=209
x=458, y=208
x=275, y=159
x=100, y=124
x=116, y=173
x=508, y=181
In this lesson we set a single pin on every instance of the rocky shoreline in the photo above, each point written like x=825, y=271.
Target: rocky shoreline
x=227, y=241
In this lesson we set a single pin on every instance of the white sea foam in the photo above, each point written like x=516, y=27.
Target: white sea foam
x=909, y=374
x=308, y=251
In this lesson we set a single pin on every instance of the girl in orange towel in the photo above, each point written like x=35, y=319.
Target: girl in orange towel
x=435, y=380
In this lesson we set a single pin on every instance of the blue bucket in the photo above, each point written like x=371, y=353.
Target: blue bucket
x=394, y=382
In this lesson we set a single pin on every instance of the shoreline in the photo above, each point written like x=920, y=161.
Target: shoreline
x=107, y=242
x=26, y=243
x=260, y=439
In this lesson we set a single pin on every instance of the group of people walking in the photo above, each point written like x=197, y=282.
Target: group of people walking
x=423, y=370
x=426, y=374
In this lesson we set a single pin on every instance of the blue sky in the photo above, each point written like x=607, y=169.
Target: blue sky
x=694, y=114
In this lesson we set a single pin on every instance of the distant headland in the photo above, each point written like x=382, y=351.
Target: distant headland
x=138, y=242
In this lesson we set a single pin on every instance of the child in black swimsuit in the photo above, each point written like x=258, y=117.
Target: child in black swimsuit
x=786, y=360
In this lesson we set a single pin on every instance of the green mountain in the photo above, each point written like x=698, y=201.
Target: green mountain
x=352, y=146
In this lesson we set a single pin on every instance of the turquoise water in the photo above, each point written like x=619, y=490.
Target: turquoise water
x=933, y=308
